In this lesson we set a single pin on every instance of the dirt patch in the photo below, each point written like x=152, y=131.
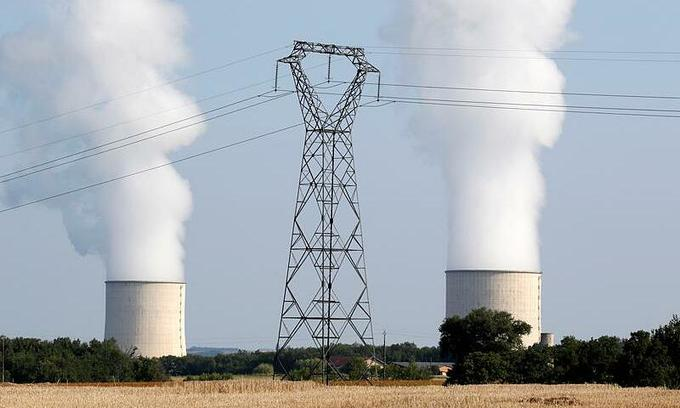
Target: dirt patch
x=553, y=401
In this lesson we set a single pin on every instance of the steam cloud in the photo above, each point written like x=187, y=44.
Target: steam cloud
x=496, y=189
x=93, y=50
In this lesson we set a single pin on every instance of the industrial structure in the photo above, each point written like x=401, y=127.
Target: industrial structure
x=515, y=292
x=326, y=289
x=147, y=317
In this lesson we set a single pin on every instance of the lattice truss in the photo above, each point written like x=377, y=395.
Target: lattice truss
x=327, y=242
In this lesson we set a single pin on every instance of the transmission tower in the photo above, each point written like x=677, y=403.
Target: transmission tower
x=326, y=245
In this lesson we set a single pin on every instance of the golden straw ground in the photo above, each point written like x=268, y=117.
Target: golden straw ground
x=268, y=393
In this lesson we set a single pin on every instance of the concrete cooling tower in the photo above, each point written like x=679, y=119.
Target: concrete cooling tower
x=146, y=315
x=518, y=293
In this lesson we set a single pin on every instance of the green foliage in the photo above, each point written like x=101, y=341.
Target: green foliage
x=305, y=369
x=66, y=360
x=209, y=377
x=482, y=368
x=669, y=337
x=594, y=361
x=264, y=369
x=482, y=330
x=644, y=362
x=534, y=365
x=490, y=338
x=356, y=368
x=149, y=369
x=410, y=352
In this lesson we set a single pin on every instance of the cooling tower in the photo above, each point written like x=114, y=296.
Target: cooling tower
x=146, y=315
x=518, y=293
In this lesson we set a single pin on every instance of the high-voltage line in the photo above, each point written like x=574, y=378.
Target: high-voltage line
x=326, y=241
x=525, y=91
x=522, y=106
x=520, y=57
x=150, y=169
x=515, y=50
x=138, y=91
x=81, y=155
x=117, y=124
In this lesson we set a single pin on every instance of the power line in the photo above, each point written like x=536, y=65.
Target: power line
x=18, y=174
x=567, y=51
x=114, y=125
x=139, y=91
x=524, y=91
x=515, y=57
x=471, y=105
x=583, y=109
x=149, y=169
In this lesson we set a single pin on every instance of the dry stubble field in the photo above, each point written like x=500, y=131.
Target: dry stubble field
x=268, y=393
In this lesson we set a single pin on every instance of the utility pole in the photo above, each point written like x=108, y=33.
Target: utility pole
x=327, y=240
x=3, y=358
x=384, y=352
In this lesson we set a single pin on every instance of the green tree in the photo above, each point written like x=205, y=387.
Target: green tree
x=535, y=365
x=148, y=369
x=669, y=336
x=483, y=368
x=264, y=369
x=644, y=362
x=482, y=330
x=356, y=368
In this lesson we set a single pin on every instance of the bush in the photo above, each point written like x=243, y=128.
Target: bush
x=264, y=369
x=148, y=369
x=481, y=368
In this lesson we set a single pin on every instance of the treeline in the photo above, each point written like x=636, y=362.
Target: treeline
x=487, y=348
x=64, y=360
x=28, y=360
x=301, y=361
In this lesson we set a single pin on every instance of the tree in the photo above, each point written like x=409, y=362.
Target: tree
x=264, y=369
x=148, y=369
x=483, y=368
x=482, y=330
x=356, y=368
x=535, y=365
x=644, y=362
x=601, y=358
x=669, y=336
x=490, y=338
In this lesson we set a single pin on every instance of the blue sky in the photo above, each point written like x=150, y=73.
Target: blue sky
x=609, y=230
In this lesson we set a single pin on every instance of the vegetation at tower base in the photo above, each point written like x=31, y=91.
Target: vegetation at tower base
x=486, y=348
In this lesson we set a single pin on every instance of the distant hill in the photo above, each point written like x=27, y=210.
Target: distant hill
x=211, y=351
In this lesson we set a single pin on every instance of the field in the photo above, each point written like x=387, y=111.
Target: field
x=268, y=393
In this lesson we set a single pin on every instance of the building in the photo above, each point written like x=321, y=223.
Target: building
x=147, y=317
x=515, y=292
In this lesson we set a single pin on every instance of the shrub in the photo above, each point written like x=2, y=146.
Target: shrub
x=264, y=369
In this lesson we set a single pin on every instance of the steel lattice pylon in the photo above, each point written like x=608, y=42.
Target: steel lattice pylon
x=326, y=198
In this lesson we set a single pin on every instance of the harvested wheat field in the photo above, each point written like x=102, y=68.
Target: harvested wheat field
x=268, y=393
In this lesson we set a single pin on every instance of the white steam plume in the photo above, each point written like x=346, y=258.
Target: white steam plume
x=496, y=189
x=93, y=50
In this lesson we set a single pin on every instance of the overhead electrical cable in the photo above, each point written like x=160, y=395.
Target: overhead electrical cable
x=525, y=91
x=560, y=51
x=114, y=125
x=472, y=105
x=149, y=169
x=139, y=91
x=59, y=162
x=584, y=109
x=519, y=57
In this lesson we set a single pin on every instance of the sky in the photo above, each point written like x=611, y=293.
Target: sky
x=609, y=229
